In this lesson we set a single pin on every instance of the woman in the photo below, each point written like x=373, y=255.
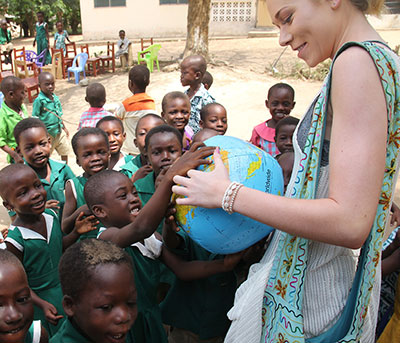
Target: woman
x=345, y=166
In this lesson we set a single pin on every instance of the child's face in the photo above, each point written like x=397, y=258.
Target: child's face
x=164, y=148
x=17, y=96
x=106, y=309
x=286, y=162
x=280, y=103
x=34, y=145
x=16, y=307
x=122, y=35
x=177, y=113
x=3, y=25
x=216, y=120
x=116, y=136
x=27, y=195
x=47, y=85
x=59, y=27
x=40, y=17
x=121, y=204
x=283, y=138
x=93, y=154
x=144, y=126
x=188, y=74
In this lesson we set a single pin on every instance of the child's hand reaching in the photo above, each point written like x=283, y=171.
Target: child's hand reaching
x=50, y=312
x=141, y=172
x=4, y=233
x=53, y=204
x=395, y=215
x=85, y=224
x=231, y=260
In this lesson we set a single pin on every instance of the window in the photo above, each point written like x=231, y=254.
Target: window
x=109, y=3
x=164, y=2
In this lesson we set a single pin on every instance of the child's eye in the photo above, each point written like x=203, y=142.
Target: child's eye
x=106, y=307
x=23, y=299
x=122, y=196
x=131, y=303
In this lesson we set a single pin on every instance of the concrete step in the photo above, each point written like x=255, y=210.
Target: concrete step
x=260, y=32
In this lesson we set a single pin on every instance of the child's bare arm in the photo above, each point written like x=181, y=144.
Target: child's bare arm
x=170, y=237
x=391, y=263
x=49, y=309
x=70, y=212
x=83, y=224
x=17, y=157
x=11, y=248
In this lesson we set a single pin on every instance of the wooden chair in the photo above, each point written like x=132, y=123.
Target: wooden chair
x=70, y=53
x=93, y=63
x=55, y=67
x=19, y=53
x=31, y=82
x=4, y=74
x=64, y=63
x=145, y=43
x=109, y=58
x=22, y=70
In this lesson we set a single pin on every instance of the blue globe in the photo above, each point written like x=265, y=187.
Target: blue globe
x=214, y=229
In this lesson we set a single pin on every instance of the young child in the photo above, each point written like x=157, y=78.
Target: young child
x=60, y=36
x=34, y=145
x=139, y=166
x=136, y=106
x=123, y=45
x=213, y=116
x=207, y=80
x=99, y=293
x=280, y=103
x=286, y=160
x=114, y=129
x=12, y=111
x=47, y=107
x=16, y=313
x=92, y=152
x=35, y=237
x=284, y=134
x=192, y=73
x=96, y=97
x=42, y=37
x=203, y=135
x=6, y=47
x=176, y=112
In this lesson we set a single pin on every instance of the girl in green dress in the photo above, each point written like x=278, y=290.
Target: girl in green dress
x=42, y=37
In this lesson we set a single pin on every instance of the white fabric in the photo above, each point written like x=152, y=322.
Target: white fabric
x=152, y=247
x=121, y=162
x=37, y=331
x=73, y=189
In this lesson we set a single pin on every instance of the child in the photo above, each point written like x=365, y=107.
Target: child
x=42, y=37
x=207, y=80
x=16, y=314
x=96, y=97
x=34, y=145
x=12, y=111
x=280, y=103
x=35, y=237
x=99, y=293
x=123, y=45
x=47, y=107
x=284, y=134
x=92, y=152
x=176, y=112
x=286, y=160
x=6, y=47
x=139, y=166
x=213, y=116
x=136, y=106
x=114, y=129
x=192, y=73
x=60, y=36
x=203, y=135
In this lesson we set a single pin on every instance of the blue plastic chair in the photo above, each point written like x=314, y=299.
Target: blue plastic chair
x=78, y=66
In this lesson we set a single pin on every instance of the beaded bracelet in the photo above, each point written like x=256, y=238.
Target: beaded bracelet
x=230, y=196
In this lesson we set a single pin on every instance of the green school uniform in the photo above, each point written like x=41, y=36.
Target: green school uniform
x=146, y=188
x=43, y=108
x=77, y=185
x=199, y=306
x=132, y=166
x=5, y=36
x=122, y=162
x=40, y=260
x=34, y=333
x=41, y=41
x=69, y=334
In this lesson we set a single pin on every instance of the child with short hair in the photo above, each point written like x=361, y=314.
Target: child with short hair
x=35, y=237
x=207, y=80
x=176, y=112
x=12, y=111
x=139, y=166
x=213, y=116
x=16, y=315
x=92, y=153
x=96, y=97
x=203, y=135
x=60, y=36
x=34, y=145
x=280, y=103
x=136, y=106
x=193, y=69
x=123, y=45
x=99, y=293
x=6, y=47
x=47, y=107
x=114, y=129
x=42, y=37
x=284, y=134
x=286, y=161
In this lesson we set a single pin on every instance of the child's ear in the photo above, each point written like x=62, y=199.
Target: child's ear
x=294, y=103
x=124, y=136
x=135, y=142
x=77, y=161
x=162, y=114
x=130, y=86
x=68, y=305
x=266, y=103
x=198, y=75
x=86, y=99
x=7, y=205
x=99, y=211
x=201, y=124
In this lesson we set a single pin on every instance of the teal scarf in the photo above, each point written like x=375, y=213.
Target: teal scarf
x=283, y=297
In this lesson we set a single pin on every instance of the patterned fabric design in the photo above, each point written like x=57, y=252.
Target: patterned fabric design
x=90, y=117
x=282, y=304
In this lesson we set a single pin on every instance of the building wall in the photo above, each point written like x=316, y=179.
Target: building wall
x=150, y=19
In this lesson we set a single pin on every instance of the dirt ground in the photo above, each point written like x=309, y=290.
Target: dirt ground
x=241, y=83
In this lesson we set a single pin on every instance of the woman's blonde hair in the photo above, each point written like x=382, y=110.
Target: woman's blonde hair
x=369, y=6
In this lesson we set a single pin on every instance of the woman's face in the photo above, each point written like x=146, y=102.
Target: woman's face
x=308, y=26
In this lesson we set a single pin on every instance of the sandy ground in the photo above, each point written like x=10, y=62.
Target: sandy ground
x=241, y=83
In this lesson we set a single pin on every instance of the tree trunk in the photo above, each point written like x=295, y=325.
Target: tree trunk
x=30, y=20
x=197, y=28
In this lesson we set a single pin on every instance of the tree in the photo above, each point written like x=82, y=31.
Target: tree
x=197, y=28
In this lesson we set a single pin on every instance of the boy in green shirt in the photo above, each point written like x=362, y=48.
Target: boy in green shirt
x=6, y=47
x=12, y=111
x=47, y=107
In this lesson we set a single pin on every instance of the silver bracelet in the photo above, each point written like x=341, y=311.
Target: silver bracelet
x=230, y=196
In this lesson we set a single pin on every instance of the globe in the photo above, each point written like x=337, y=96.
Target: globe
x=214, y=229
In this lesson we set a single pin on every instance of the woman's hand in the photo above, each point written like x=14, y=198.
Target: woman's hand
x=205, y=189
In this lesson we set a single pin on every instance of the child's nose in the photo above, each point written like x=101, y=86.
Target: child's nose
x=122, y=314
x=12, y=315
